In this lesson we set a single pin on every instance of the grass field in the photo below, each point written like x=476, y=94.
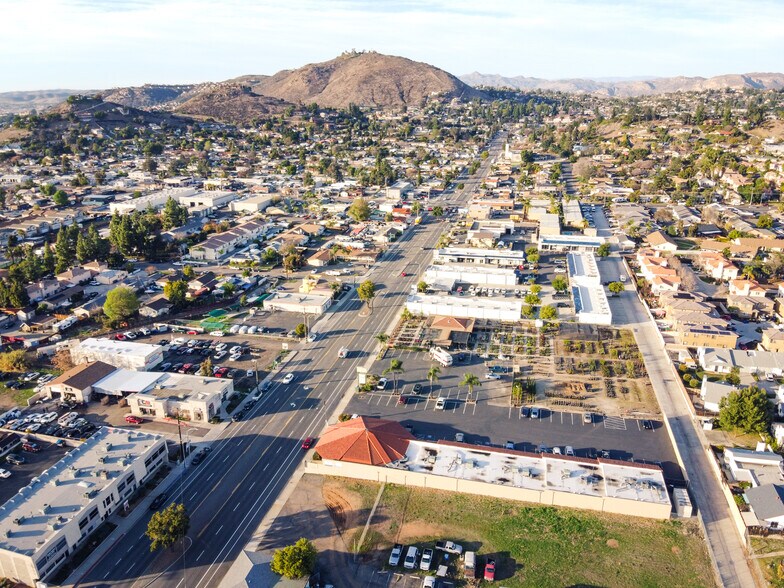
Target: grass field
x=539, y=546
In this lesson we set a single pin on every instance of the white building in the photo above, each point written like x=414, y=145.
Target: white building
x=569, y=243
x=470, y=274
x=590, y=299
x=252, y=204
x=122, y=354
x=301, y=303
x=53, y=516
x=468, y=255
x=211, y=199
x=155, y=200
x=465, y=307
x=193, y=398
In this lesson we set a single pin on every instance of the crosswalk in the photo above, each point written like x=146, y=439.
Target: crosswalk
x=615, y=422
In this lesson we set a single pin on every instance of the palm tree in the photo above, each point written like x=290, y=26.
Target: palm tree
x=416, y=207
x=382, y=338
x=432, y=375
x=470, y=380
x=395, y=368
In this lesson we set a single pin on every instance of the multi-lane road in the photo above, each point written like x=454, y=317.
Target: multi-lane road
x=229, y=494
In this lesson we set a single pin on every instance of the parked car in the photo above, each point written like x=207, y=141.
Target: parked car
x=15, y=459
x=492, y=376
x=587, y=418
x=158, y=501
x=31, y=447
x=199, y=457
x=647, y=424
x=394, y=557
x=534, y=412
x=382, y=384
x=441, y=403
x=133, y=419
x=427, y=559
x=490, y=570
x=417, y=389
x=525, y=412
x=5, y=473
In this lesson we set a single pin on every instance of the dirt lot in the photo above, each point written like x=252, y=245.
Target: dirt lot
x=534, y=545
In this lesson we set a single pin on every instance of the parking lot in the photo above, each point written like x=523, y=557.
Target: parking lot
x=35, y=463
x=488, y=418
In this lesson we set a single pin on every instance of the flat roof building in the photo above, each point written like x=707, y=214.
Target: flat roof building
x=470, y=274
x=467, y=255
x=192, y=398
x=121, y=354
x=590, y=299
x=301, y=303
x=569, y=243
x=154, y=199
x=484, y=308
x=51, y=517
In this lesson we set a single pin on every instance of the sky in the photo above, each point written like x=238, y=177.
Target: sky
x=97, y=44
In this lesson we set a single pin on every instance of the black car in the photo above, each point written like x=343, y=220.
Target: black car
x=238, y=417
x=461, y=357
x=525, y=412
x=647, y=424
x=15, y=459
x=199, y=457
x=158, y=501
x=417, y=388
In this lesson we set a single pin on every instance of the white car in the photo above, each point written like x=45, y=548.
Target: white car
x=5, y=474
x=288, y=378
x=312, y=337
x=144, y=332
x=234, y=329
x=441, y=403
x=382, y=383
x=235, y=357
x=220, y=355
x=236, y=350
x=492, y=376
x=216, y=334
x=178, y=341
x=243, y=330
x=49, y=417
x=192, y=343
x=252, y=329
x=221, y=347
x=559, y=270
x=130, y=335
x=394, y=557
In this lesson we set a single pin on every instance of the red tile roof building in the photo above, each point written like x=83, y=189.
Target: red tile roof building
x=364, y=440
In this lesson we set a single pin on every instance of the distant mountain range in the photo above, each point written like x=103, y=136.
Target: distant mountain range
x=362, y=78
x=631, y=87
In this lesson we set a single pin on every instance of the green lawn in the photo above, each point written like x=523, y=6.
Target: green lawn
x=538, y=546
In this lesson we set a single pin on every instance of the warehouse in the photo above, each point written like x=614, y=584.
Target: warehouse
x=121, y=354
x=470, y=274
x=464, y=307
x=590, y=299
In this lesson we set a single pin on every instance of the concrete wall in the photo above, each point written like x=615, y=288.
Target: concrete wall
x=547, y=497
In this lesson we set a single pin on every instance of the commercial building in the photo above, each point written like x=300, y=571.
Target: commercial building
x=466, y=255
x=484, y=308
x=252, y=204
x=78, y=383
x=448, y=275
x=590, y=299
x=383, y=451
x=155, y=200
x=570, y=243
x=191, y=398
x=53, y=516
x=312, y=303
x=211, y=199
x=121, y=354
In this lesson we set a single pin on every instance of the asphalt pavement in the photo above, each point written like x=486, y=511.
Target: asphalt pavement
x=228, y=495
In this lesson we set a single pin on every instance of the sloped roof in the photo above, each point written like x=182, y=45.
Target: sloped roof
x=84, y=375
x=766, y=501
x=453, y=323
x=365, y=440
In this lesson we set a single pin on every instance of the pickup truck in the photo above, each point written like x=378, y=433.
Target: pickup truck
x=449, y=547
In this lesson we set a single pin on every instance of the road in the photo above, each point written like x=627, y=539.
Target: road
x=229, y=494
x=724, y=542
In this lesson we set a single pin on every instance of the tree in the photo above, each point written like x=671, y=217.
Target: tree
x=438, y=211
x=382, y=338
x=168, y=526
x=603, y=250
x=747, y=410
x=206, y=368
x=470, y=380
x=359, y=210
x=121, y=304
x=560, y=284
x=187, y=272
x=765, y=221
x=616, y=287
x=65, y=249
x=228, y=288
x=432, y=375
x=175, y=292
x=366, y=292
x=532, y=299
x=301, y=330
x=60, y=198
x=422, y=286
x=395, y=369
x=548, y=313
x=173, y=215
x=532, y=258
x=14, y=361
x=295, y=561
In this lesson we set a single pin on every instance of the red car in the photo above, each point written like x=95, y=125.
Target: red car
x=307, y=443
x=403, y=274
x=134, y=420
x=490, y=570
x=120, y=337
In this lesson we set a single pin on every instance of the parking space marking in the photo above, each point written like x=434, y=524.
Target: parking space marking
x=614, y=422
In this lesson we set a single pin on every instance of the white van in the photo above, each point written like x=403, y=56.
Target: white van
x=441, y=356
x=470, y=560
x=343, y=353
x=411, y=558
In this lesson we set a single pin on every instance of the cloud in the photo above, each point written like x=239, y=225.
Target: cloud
x=101, y=43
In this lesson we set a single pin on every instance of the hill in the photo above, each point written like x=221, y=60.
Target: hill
x=623, y=89
x=366, y=79
x=153, y=96
x=230, y=102
x=24, y=102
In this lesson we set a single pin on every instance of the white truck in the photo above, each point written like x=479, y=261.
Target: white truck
x=343, y=353
x=441, y=355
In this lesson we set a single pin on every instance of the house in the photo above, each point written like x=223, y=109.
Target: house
x=156, y=307
x=707, y=336
x=716, y=266
x=75, y=275
x=772, y=340
x=109, y=277
x=659, y=241
x=321, y=258
x=767, y=504
x=747, y=288
x=42, y=289
x=712, y=393
x=751, y=307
